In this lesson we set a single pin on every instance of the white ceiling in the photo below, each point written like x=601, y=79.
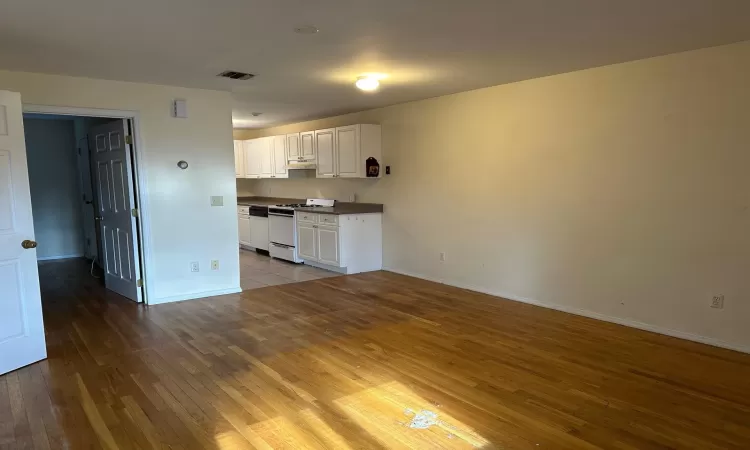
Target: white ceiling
x=427, y=47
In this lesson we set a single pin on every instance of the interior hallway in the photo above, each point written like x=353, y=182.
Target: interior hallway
x=360, y=361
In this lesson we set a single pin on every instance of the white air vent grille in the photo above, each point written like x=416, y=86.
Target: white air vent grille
x=236, y=75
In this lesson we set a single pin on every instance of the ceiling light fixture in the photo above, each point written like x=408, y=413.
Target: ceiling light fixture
x=367, y=83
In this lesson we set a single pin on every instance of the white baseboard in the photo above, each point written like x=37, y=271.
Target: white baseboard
x=193, y=296
x=590, y=314
x=52, y=258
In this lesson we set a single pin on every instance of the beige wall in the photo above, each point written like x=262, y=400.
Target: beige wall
x=181, y=224
x=619, y=192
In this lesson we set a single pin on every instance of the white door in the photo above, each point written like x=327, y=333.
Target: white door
x=293, y=146
x=259, y=232
x=307, y=145
x=239, y=159
x=328, y=245
x=252, y=158
x=21, y=323
x=347, y=152
x=307, y=241
x=324, y=141
x=266, y=157
x=278, y=143
x=243, y=223
x=115, y=194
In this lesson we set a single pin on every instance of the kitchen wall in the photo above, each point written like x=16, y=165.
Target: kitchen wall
x=55, y=188
x=181, y=225
x=620, y=192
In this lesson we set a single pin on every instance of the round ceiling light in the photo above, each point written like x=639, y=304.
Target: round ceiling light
x=307, y=29
x=367, y=84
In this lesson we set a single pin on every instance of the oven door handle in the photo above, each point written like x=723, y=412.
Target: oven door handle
x=281, y=245
x=291, y=216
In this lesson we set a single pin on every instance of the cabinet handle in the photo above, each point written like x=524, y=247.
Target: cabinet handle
x=315, y=226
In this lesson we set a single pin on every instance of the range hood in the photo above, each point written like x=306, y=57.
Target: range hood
x=301, y=165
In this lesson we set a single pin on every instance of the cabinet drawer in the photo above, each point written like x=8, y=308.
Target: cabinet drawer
x=329, y=219
x=307, y=217
x=244, y=210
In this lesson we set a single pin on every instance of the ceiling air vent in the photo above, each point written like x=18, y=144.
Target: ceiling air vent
x=235, y=75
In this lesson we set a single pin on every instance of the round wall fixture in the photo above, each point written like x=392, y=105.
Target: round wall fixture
x=182, y=165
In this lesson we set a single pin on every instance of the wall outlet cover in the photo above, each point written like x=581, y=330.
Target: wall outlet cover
x=195, y=266
x=215, y=264
x=717, y=302
x=217, y=200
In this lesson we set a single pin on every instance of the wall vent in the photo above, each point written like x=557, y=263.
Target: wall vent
x=235, y=75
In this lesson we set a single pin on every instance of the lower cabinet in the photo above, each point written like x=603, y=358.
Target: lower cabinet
x=244, y=227
x=328, y=245
x=351, y=243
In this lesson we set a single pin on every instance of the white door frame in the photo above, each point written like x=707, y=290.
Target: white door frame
x=139, y=172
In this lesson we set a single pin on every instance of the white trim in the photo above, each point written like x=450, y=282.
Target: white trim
x=194, y=295
x=51, y=258
x=590, y=314
x=144, y=224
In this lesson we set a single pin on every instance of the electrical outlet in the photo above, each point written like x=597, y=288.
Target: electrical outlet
x=215, y=264
x=442, y=256
x=195, y=267
x=717, y=302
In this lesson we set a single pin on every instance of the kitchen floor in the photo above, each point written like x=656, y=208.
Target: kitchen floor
x=257, y=271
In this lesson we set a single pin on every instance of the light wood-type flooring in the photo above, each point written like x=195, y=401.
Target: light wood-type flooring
x=375, y=360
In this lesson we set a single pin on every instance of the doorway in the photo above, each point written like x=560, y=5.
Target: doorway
x=83, y=178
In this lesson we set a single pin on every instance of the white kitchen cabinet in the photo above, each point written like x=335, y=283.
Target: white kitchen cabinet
x=346, y=156
x=265, y=152
x=324, y=143
x=251, y=150
x=350, y=243
x=239, y=159
x=259, y=232
x=293, y=146
x=328, y=245
x=243, y=223
x=307, y=242
x=279, y=152
x=307, y=146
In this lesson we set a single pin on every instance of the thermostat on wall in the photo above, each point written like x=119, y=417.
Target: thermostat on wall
x=179, y=109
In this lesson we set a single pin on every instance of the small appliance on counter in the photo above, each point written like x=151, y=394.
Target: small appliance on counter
x=283, y=230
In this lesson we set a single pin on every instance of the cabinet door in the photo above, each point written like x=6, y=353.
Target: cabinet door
x=278, y=144
x=244, y=227
x=348, y=162
x=324, y=142
x=259, y=232
x=252, y=158
x=239, y=159
x=265, y=151
x=293, y=146
x=307, y=145
x=307, y=241
x=328, y=245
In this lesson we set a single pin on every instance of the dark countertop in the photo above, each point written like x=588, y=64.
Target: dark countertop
x=339, y=208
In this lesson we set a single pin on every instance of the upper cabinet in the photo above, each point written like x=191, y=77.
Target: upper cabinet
x=341, y=152
x=324, y=144
x=293, y=146
x=239, y=159
x=279, y=153
x=351, y=147
x=252, y=152
x=307, y=146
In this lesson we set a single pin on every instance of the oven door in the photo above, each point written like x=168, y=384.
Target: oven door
x=281, y=229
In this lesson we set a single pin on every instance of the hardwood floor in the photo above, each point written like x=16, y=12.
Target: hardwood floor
x=367, y=361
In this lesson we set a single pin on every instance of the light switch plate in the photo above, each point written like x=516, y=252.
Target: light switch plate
x=217, y=200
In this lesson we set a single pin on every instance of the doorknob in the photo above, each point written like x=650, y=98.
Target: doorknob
x=27, y=244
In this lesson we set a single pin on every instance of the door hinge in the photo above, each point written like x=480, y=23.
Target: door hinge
x=128, y=139
x=134, y=212
x=139, y=283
